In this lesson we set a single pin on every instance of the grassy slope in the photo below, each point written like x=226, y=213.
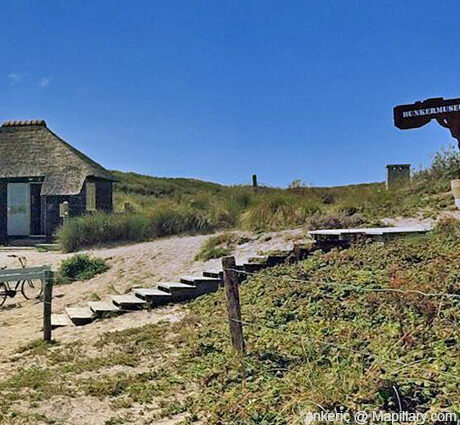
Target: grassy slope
x=428, y=193
x=161, y=186
x=328, y=338
x=165, y=206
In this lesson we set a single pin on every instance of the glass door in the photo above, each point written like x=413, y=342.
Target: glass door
x=18, y=223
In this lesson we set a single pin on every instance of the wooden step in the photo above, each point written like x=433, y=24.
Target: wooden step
x=48, y=246
x=129, y=301
x=274, y=260
x=103, y=307
x=80, y=315
x=179, y=291
x=203, y=284
x=153, y=295
x=253, y=267
x=196, y=280
x=59, y=320
x=214, y=275
x=258, y=259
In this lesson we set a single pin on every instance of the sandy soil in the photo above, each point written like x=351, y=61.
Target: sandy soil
x=131, y=265
x=419, y=220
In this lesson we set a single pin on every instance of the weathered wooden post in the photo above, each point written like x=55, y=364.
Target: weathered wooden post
x=297, y=251
x=64, y=212
x=254, y=182
x=48, y=281
x=233, y=303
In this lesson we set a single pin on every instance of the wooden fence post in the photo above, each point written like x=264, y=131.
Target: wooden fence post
x=233, y=303
x=47, y=304
x=254, y=182
x=297, y=250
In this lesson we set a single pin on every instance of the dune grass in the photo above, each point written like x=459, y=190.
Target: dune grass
x=102, y=228
x=161, y=206
x=217, y=247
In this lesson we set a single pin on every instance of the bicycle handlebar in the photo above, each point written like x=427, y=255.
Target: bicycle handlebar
x=21, y=258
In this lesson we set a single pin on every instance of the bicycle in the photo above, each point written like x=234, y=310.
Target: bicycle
x=30, y=289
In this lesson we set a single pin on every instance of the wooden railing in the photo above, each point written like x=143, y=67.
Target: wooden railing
x=44, y=274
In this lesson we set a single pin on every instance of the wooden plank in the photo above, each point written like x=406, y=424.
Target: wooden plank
x=154, y=296
x=48, y=246
x=151, y=292
x=370, y=231
x=8, y=275
x=80, y=315
x=179, y=291
x=253, y=267
x=100, y=307
x=215, y=275
x=199, y=279
x=175, y=285
x=128, y=301
x=59, y=320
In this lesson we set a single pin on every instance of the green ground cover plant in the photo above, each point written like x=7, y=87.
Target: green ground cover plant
x=80, y=267
x=371, y=327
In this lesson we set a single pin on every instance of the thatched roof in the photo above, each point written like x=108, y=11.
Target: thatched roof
x=30, y=149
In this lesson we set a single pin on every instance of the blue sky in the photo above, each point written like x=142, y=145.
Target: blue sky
x=219, y=90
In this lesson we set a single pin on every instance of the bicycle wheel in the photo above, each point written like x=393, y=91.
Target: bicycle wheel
x=3, y=293
x=31, y=289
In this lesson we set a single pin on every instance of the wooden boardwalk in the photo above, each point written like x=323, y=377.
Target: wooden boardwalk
x=375, y=233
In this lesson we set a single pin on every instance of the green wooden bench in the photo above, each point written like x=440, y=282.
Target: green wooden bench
x=43, y=273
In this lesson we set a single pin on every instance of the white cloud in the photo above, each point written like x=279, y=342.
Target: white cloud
x=45, y=81
x=15, y=78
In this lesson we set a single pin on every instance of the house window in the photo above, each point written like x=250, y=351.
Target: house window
x=90, y=196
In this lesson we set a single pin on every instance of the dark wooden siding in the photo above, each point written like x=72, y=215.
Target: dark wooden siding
x=3, y=210
x=77, y=204
x=35, y=209
x=104, y=200
x=52, y=218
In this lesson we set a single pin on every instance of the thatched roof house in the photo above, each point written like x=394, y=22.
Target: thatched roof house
x=38, y=172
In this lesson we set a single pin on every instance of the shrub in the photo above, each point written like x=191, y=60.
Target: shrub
x=102, y=228
x=81, y=267
x=217, y=246
x=448, y=226
x=445, y=164
x=335, y=221
x=277, y=211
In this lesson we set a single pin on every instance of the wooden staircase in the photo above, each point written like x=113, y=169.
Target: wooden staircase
x=190, y=287
x=161, y=293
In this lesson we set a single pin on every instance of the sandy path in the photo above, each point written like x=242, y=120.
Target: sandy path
x=131, y=265
x=419, y=220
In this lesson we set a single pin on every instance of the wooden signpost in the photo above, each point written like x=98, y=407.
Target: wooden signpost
x=445, y=111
